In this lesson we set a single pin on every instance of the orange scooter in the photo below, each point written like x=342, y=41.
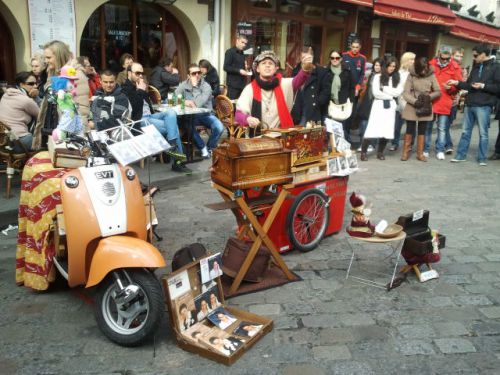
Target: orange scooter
x=105, y=246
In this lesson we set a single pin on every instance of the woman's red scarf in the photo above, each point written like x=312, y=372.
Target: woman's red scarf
x=286, y=120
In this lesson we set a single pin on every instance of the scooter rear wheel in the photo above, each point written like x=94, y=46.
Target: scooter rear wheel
x=131, y=322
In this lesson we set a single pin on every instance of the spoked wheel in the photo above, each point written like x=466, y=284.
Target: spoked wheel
x=129, y=315
x=308, y=219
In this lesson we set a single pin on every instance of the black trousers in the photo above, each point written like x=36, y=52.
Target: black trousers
x=234, y=92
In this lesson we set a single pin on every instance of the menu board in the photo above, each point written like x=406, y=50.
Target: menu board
x=52, y=20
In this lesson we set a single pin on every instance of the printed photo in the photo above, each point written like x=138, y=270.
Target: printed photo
x=211, y=267
x=213, y=298
x=196, y=331
x=221, y=318
x=202, y=303
x=353, y=162
x=221, y=341
x=247, y=329
x=333, y=166
x=185, y=311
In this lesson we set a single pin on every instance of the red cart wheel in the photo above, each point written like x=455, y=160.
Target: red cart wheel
x=308, y=219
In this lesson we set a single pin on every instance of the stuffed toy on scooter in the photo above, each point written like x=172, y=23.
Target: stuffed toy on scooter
x=64, y=87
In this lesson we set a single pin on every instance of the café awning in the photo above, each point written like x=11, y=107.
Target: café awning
x=475, y=31
x=365, y=3
x=415, y=11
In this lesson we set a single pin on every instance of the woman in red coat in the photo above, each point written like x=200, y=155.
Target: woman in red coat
x=445, y=68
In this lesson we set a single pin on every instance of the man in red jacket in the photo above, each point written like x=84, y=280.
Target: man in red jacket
x=445, y=68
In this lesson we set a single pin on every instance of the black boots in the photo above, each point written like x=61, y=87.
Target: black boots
x=382, y=142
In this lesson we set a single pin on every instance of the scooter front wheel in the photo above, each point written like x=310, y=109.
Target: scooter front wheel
x=129, y=314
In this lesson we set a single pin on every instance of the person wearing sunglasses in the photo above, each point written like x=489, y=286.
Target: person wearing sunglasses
x=445, y=68
x=18, y=110
x=343, y=88
x=136, y=90
x=197, y=93
x=483, y=86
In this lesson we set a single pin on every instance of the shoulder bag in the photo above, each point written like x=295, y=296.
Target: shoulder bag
x=340, y=112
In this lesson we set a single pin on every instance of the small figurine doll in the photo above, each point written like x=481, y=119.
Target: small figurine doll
x=64, y=88
x=360, y=223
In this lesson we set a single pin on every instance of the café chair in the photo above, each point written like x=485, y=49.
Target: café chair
x=224, y=110
x=12, y=159
x=154, y=95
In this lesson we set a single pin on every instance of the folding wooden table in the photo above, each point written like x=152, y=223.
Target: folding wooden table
x=244, y=211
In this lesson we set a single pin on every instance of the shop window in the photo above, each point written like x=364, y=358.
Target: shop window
x=312, y=37
x=148, y=32
x=265, y=34
x=264, y=4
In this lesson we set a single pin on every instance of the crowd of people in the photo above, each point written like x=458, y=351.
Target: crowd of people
x=382, y=96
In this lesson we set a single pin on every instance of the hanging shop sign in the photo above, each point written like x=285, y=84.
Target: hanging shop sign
x=52, y=20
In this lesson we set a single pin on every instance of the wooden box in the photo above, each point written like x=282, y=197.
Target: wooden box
x=245, y=163
x=308, y=144
x=418, y=234
x=64, y=157
x=195, y=338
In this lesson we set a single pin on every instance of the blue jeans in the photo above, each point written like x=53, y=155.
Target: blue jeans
x=166, y=124
x=443, y=123
x=213, y=123
x=453, y=116
x=471, y=115
x=397, y=129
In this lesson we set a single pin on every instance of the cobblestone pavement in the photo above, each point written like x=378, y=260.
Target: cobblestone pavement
x=323, y=324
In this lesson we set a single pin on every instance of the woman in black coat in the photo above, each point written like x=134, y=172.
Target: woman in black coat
x=211, y=76
x=343, y=84
x=311, y=101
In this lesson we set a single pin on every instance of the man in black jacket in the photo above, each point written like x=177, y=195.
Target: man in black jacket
x=109, y=103
x=165, y=122
x=483, y=86
x=234, y=66
x=311, y=101
x=164, y=76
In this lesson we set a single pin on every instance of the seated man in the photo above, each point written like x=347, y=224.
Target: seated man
x=109, y=103
x=198, y=94
x=268, y=100
x=166, y=122
x=18, y=109
x=164, y=76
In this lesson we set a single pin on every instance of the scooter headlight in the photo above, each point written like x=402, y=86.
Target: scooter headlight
x=130, y=173
x=71, y=182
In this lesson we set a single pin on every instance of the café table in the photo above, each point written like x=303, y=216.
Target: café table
x=186, y=117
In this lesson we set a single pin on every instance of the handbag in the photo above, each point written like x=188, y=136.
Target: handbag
x=424, y=108
x=340, y=112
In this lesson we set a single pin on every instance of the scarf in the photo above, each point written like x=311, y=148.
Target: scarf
x=274, y=84
x=336, y=84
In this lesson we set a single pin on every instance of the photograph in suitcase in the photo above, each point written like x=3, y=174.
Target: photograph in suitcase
x=203, y=323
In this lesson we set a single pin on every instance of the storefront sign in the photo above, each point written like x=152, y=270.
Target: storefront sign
x=415, y=11
x=52, y=20
x=246, y=29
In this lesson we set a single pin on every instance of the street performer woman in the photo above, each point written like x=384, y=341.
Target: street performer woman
x=268, y=100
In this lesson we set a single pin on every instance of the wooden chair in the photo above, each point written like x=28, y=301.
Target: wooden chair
x=225, y=112
x=13, y=160
x=154, y=95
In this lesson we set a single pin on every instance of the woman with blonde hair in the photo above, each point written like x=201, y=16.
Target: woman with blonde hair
x=57, y=54
x=406, y=62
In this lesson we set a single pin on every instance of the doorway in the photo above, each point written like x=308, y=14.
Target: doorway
x=7, y=57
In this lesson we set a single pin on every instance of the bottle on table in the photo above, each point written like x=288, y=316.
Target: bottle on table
x=170, y=100
x=183, y=104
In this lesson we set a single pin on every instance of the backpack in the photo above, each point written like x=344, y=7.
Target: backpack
x=188, y=254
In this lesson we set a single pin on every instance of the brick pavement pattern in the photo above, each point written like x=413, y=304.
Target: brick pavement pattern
x=323, y=324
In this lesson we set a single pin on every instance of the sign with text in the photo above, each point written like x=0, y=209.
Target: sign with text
x=52, y=20
x=246, y=29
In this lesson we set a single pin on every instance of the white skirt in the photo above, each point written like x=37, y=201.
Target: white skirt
x=381, y=121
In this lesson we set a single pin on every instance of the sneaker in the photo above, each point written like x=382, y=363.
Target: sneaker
x=454, y=160
x=359, y=149
x=176, y=154
x=440, y=156
x=449, y=151
x=483, y=164
x=204, y=153
x=370, y=148
x=393, y=148
x=426, y=154
x=179, y=166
